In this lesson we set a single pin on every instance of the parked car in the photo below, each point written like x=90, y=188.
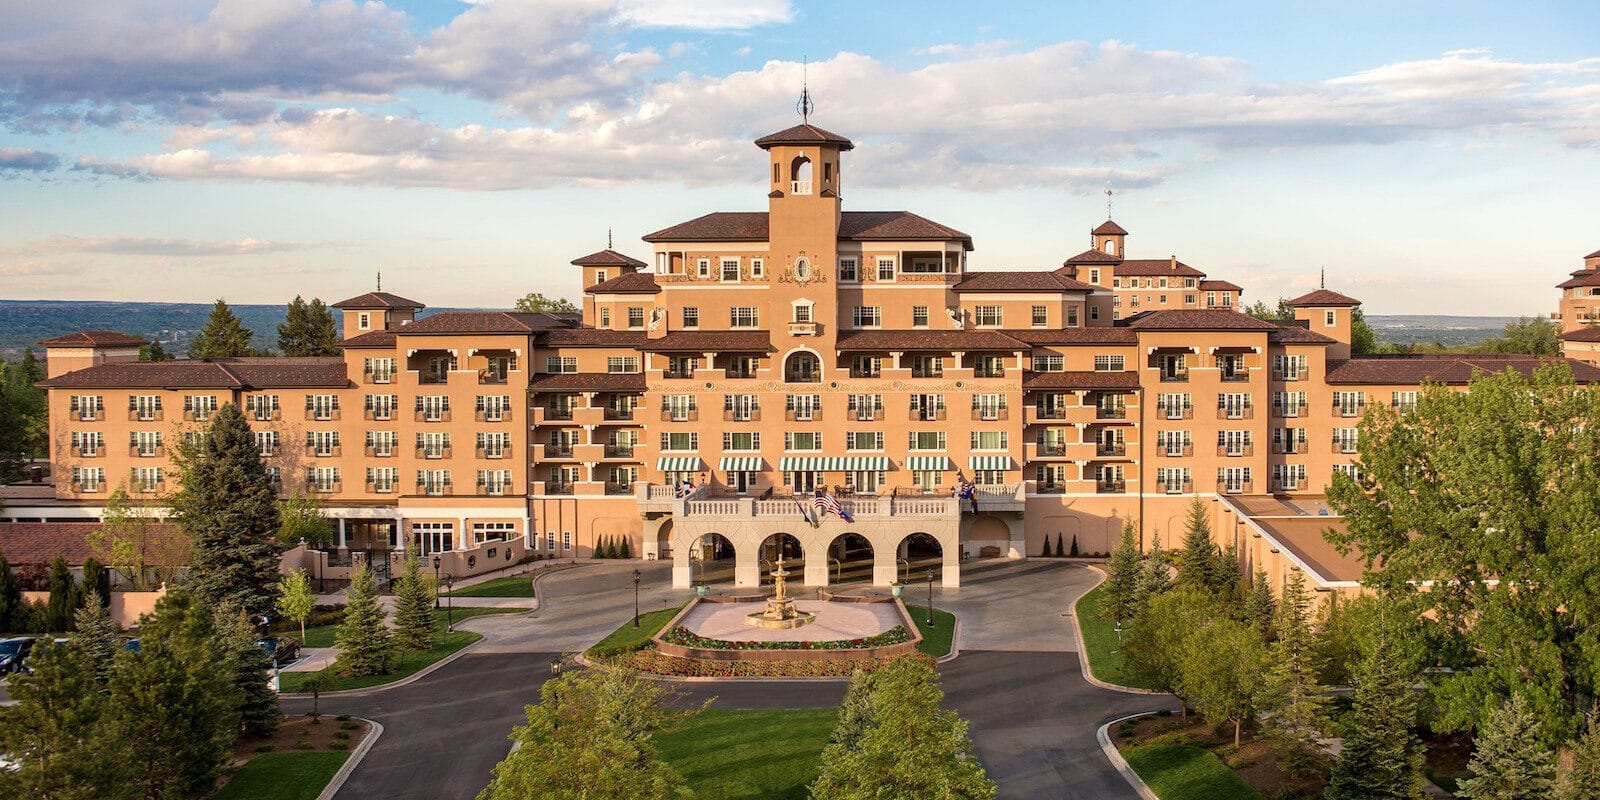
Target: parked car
x=283, y=649
x=131, y=644
x=14, y=653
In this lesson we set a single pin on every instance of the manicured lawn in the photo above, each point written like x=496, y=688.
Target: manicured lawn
x=627, y=637
x=509, y=586
x=935, y=640
x=405, y=663
x=763, y=754
x=283, y=776
x=1100, y=639
x=1187, y=773
x=322, y=636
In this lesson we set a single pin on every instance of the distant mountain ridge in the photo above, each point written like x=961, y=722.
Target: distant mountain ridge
x=25, y=322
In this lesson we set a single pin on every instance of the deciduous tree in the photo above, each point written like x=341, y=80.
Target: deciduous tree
x=223, y=336
x=308, y=329
x=227, y=506
x=534, y=302
x=1218, y=672
x=295, y=598
x=300, y=519
x=1155, y=645
x=130, y=541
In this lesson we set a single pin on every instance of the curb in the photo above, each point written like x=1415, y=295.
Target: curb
x=1083, y=650
x=1121, y=764
x=350, y=764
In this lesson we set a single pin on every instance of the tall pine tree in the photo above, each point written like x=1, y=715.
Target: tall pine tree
x=223, y=336
x=1382, y=758
x=10, y=596
x=413, y=607
x=1296, y=704
x=229, y=510
x=1196, y=557
x=95, y=634
x=1510, y=762
x=259, y=713
x=1582, y=780
x=1121, y=598
x=362, y=639
x=51, y=731
x=63, y=597
x=308, y=330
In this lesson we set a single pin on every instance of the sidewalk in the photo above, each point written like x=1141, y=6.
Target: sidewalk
x=531, y=569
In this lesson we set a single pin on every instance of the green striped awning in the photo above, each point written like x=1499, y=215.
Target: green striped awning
x=833, y=463
x=741, y=464
x=989, y=462
x=928, y=463
x=678, y=463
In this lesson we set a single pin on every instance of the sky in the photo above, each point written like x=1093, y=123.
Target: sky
x=1431, y=157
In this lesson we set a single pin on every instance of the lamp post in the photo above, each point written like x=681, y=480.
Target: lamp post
x=1119, y=634
x=450, y=604
x=930, y=598
x=555, y=693
x=636, y=598
x=436, y=580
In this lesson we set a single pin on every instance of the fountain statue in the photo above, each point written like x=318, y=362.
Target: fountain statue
x=780, y=613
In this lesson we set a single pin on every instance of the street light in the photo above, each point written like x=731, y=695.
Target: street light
x=555, y=693
x=450, y=604
x=436, y=580
x=930, y=598
x=636, y=598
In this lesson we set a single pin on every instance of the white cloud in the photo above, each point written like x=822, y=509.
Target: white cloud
x=140, y=246
x=710, y=15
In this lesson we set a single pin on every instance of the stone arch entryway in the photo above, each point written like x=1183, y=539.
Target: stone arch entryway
x=794, y=556
x=915, y=555
x=712, y=558
x=850, y=557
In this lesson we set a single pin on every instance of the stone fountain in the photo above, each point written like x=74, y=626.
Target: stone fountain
x=780, y=613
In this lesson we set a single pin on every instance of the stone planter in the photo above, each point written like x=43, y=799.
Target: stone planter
x=896, y=589
x=702, y=590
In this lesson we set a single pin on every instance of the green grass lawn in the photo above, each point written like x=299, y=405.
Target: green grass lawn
x=1187, y=773
x=322, y=636
x=1100, y=639
x=283, y=776
x=509, y=586
x=628, y=638
x=935, y=640
x=766, y=754
x=405, y=663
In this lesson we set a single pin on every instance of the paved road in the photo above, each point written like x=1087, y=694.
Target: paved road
x=1032, y=715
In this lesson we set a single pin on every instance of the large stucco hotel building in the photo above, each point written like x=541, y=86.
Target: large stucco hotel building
x=762, y=356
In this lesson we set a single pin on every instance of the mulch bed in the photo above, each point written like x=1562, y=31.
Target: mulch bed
x=1253, y=761
x=298, y=733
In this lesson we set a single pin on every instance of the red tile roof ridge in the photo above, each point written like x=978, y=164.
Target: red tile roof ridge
x=95, y=338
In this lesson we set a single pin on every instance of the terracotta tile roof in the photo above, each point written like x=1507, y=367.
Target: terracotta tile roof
x=1080, y=380
x=378, y=300
x=40, y=542
x=587, y=381
x=1581, y=335
x=1197, y=320
x=1595, y=254
x=1020, y=281
x=920, y=340
x=1457, y=370
x=592, y=337
x=804, y=134
x=512, y=322
x=94, y=339
x=710, y=342
x=1290, y=333
x=264, y=373
x=370, y=340
x=1323, y=297
x=1109, y=228
x=1220, y=286
x=1156, y=267
x=1092, y=256
x=1092, y=335
x=1588, y=277
x=752, y=226
x=608, y=258
x=627, y=283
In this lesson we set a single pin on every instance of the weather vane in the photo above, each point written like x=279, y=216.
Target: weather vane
x=608, y=238
x=1108, y=202
x=380, y=281
x=805, y=106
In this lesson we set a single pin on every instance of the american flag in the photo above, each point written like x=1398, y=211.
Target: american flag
x=830, y=504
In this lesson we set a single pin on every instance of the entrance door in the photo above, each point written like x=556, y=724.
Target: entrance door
x=804, y=482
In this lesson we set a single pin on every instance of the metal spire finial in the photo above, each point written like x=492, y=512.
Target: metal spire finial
x=1108, y=202
x=380, y=281
x=805, y=106
x=608, y=238
x=1322, y=280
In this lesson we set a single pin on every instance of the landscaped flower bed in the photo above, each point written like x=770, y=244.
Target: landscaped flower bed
x=657, y=663
x=680, y=635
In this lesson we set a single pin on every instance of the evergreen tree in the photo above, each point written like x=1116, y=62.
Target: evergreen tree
x=154, y=352
x=1582, y=780
x=10, y=597
x=1059, y=552
x=855, y=712
x=414, y=627
x=1120, y=601
x=228, y=507
x=96, y=580
x=1073, y=551
x=1044, y=546
x=259, y=713
x=171, y=721
x=308, y=330
x=1218, y=670
x=51, y=733
x=1225, y=577
x=1259, y=606
x=1296, y=704
x=1382, y=758
x=32, y=367
x=362, y=639
x=58, y=616
x=295, y=598
x=626, y=550
x=909, y=747
x=1196, y=558
x=1510, y=762
x=95, y=635
x=1155, y=577
x=223, y=336
x=591, y=736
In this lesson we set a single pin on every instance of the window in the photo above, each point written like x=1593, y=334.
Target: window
x=680, y=441
x=1344, y=440
x=1174, y=444
x=363, y=321
x=1094, y=312
x=433, y=481
x=433, y=445
x=1328, y=318
x=381, y=444
x=379, y=406
x=867, y=317
x=990, y=440
x=483, y=532
x=1233, y=405
x=663, y=263
x=743, y=317
x=1289, y=477
x=1162, y=299
x=1349, y=404
x=742, y=366
x=1211, y=299
x=1176, y=405
x=1173, y=480
x=323, y=443
x=146, y=479
x=561, y=364
x=802, y=268
x=322, y=480
x=145, y=444
x=864, y=481
x=1289, y=404
x=927, y=407
x=989, y=366
x=494, y=482
x=601, y=275
x=1349, y=470
x=493, y=445
x=802, y=311
x=1072, y=316
x=618, y=365
x=87, y=407
x=1109, y=363
x=199, y=407
x=730, y=270
x=433, y=408
x=1163, y=284
x=741, y=440
x=492, y=408
x=1188, y=299
x=802, y=407
x=1053, y=362
x=1041, y=316
x=926, y=440
x=865, y=407
x=1288, y=440
x=382, y=479
x=605, y=318
x=927, y=366
x=802, y=440
x=322, y=406
x=434, y=537
x=885, y=269
x=682, y=366
x=864, y=440
x=919, y=316
x=989, y=406
x=987, y=316
x=691, y=317
x=1233, y=479
x=1289, y=367
x=1404, y=401
x=1094, y=276
x=741, y=407
x=849, y=270
x=1188, y=283
x=758, y=268
x=680, y=407
x=927, y=479
x=88, y=479
x=145, y=407
x=635, y=316
x=702, y=267
x=988, y=477
x=88, y=444
x=438, y=369
x=379, y=370
x=1234, y=443
x=865, y=366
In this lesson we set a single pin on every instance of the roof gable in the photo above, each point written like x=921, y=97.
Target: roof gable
x=94, y=339
x=1109, y=228
x=378, y=300
x=802, y=134
x=1323, y=297
x=608, y=258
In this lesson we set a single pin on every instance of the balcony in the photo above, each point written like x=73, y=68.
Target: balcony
x=1110, y=412
x=617, y=414
x=1050, y=449
x=372, y=451
x=679, y=415
x=557, y=413
x=1236, y=411
x=322, y=414
x=678, y=373
x=799, y=187
x=558, y=450
x=1290, y=410
x=1049, y=413
x=558, y=488
x=1052, y=487
x=804, y=329
x=615, y=489
x=803, y=376
x=1110, y=487
x=378, y=376
x=1348, y=410
x=1286, y=486
x=1240, y=375
x=373, y=487
x=434, y=453
x=1184, y=487
x=492, y=415
x=1168, y=451
x=1110, y=449
x=619, y=451
x=431, y=415
x=928, y=414
x=982, y=371
x=1236, y=450
x=1290, y=448
x=377, y=414
x=1288, y=376
x=433, y=378
x=434, y=488
x=1177, y=412
x=699, y=504
x=742, y=415
x=325, y=452
x=1236, y=487
x=1174, y=376
x=865, y=373
x=864, y=414
x=145, y=415
x=1346, y=447
x=804, y=415
x=927, y=372
x=739, y=373
x=990, y=414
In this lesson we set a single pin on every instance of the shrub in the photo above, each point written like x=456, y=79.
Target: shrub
x=265, y=748
x=303, y=744
x=341, y=734
x=343, y=718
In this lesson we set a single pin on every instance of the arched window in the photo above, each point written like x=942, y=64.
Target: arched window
x=802, y=367
x=800, y=176
x=1111, y=246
